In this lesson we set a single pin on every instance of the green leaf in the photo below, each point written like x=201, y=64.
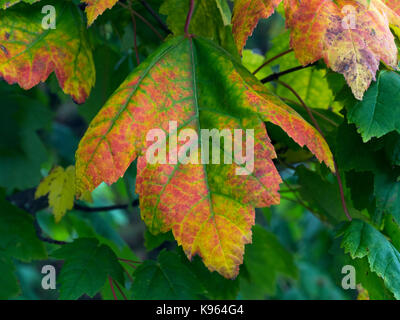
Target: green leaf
x=352, y=153
x=17, y=234
x=362, y=240
x=9, y=287
x=387, y=193
x=87, y=265
x=323, y=195
x=152, y=242
x=166, y=278
x=266, y=259
x=209, y=20
x=377, y=115
x=21, y=150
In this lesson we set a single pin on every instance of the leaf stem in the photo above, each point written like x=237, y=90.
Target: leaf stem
x=276, y=76
x=155, y=16
x=189, y=17
x=120, y=290
x=271, y=60
x=133, y=12
x=338, y=177
x=110, y=280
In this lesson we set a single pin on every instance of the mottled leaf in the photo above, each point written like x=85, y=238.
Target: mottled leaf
x=352, y=45
x=29, y=53
x=95, y=8
x=208, y=206
x=246, y=14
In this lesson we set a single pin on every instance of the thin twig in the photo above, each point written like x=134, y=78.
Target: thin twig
x=133, y=12
x=120, y=290
x=189, y=17
x=338, y=177
x=83, y=208
x=312, y=110
x=128, y=260
x=276, y=76
x=271, y=60
x=110, y=280
x=155, y=16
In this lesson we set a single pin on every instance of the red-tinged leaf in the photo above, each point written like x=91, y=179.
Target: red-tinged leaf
x=29, y=53
x=4, y=4
x=323, y=29
x=97, y=7
x=246, y=14
x=208, y=207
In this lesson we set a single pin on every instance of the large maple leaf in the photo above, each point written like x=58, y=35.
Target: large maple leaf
x=209, y=208
x=29, y=53
x=322, y=29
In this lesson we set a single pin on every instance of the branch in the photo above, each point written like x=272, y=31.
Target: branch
x=272, y=59
x=276, y=76
x=339, y=179
x=189, y=17
x=83, y=208
x=133, y=12
x=155, y=16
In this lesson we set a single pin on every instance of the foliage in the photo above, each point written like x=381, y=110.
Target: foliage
x=77, y=189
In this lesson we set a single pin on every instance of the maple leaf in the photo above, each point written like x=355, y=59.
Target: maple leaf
x=60, y=187
x=209, y=208
x=319, y=31
x=29, y=53
x=97, y=7
x=246, y=14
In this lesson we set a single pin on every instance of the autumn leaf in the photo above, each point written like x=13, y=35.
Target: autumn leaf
x=209, y=208
x=246, y=14
x=97, y=7
x=352, y=50
x=352, y=37
x=29, y=53
x=4, y=4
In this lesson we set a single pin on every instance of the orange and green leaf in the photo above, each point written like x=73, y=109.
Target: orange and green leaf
x=97, y=7
x=4, y=4
x=209, y=208
x=320, y=30
x=246, y=14
x=29, y=53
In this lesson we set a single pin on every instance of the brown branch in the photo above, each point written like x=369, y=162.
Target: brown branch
x=133, y=12
x=155, y=16
x=276, y=76
x=271, y=60
x=189, y=17
x=338, y=177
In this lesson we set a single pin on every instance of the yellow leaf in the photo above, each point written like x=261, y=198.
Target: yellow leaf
x=60, y=187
